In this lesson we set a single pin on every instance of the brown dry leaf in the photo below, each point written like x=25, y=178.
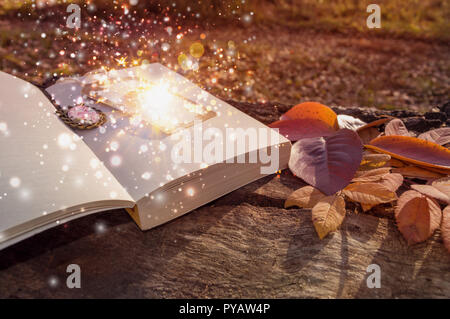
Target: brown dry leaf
x=416, y=172
x=372, y=161
x=392, y=181
x=305, y=197
x=396, y=127
x=432, y=192
x=439, y=136
x=368, y=134
x=328, y=214
x=417, y=216
x=445, y=227
x=372, y=175
x=443, y=185
x=369, y=193
x=367, y=207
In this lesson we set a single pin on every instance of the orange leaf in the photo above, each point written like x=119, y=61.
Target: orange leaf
x=305, y=197
x=297, y=129
x=375, y=123
x=313, y=111
x=328, y=214
x=413, y=150
x=396, y=163
x=417, y=216
x=369, y=193
x=432, y=192
x=445, y=227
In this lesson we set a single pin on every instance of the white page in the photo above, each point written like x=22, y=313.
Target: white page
x=145, y=153
x=44, y=166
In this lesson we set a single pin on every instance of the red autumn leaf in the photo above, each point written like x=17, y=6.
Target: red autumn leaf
x=313, y=111
x=413, y=150
x=417, y=216
x=396, y=127
x=439, y=136
x=295, y=130
x=327, y=163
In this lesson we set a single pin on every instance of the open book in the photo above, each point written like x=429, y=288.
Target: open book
x=166, y=148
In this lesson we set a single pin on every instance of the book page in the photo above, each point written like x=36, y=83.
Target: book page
x=137, y=151
x=44, y=166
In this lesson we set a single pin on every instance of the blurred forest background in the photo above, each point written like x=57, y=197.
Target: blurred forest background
x=285, y=51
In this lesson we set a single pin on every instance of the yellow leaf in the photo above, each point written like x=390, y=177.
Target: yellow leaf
x=305, y=197
x=372, y=161
x=328, y=214
x=369, y=193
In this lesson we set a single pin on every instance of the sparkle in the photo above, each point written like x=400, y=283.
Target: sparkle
x=14, y=182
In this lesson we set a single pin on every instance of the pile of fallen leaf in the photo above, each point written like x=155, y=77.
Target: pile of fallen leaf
x=379, y=163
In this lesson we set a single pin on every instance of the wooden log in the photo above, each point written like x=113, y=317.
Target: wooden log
x=244, y=245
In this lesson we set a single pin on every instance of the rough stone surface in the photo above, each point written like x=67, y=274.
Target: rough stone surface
x=244, y=244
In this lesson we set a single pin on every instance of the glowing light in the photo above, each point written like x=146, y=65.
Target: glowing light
x=190, y=192
x=122, y=61
x=196, y=50
x=14, y=182
x=146, y=176
x=116, y=160
x=64, y=140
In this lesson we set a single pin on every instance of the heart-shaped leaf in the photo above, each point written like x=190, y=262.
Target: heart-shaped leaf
x=327, y=163
x=328, y=214
x=439, y=136
x=417, y=216
x=413, y=150
x=305, y=197
x=312, y=111
x=297, y=129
